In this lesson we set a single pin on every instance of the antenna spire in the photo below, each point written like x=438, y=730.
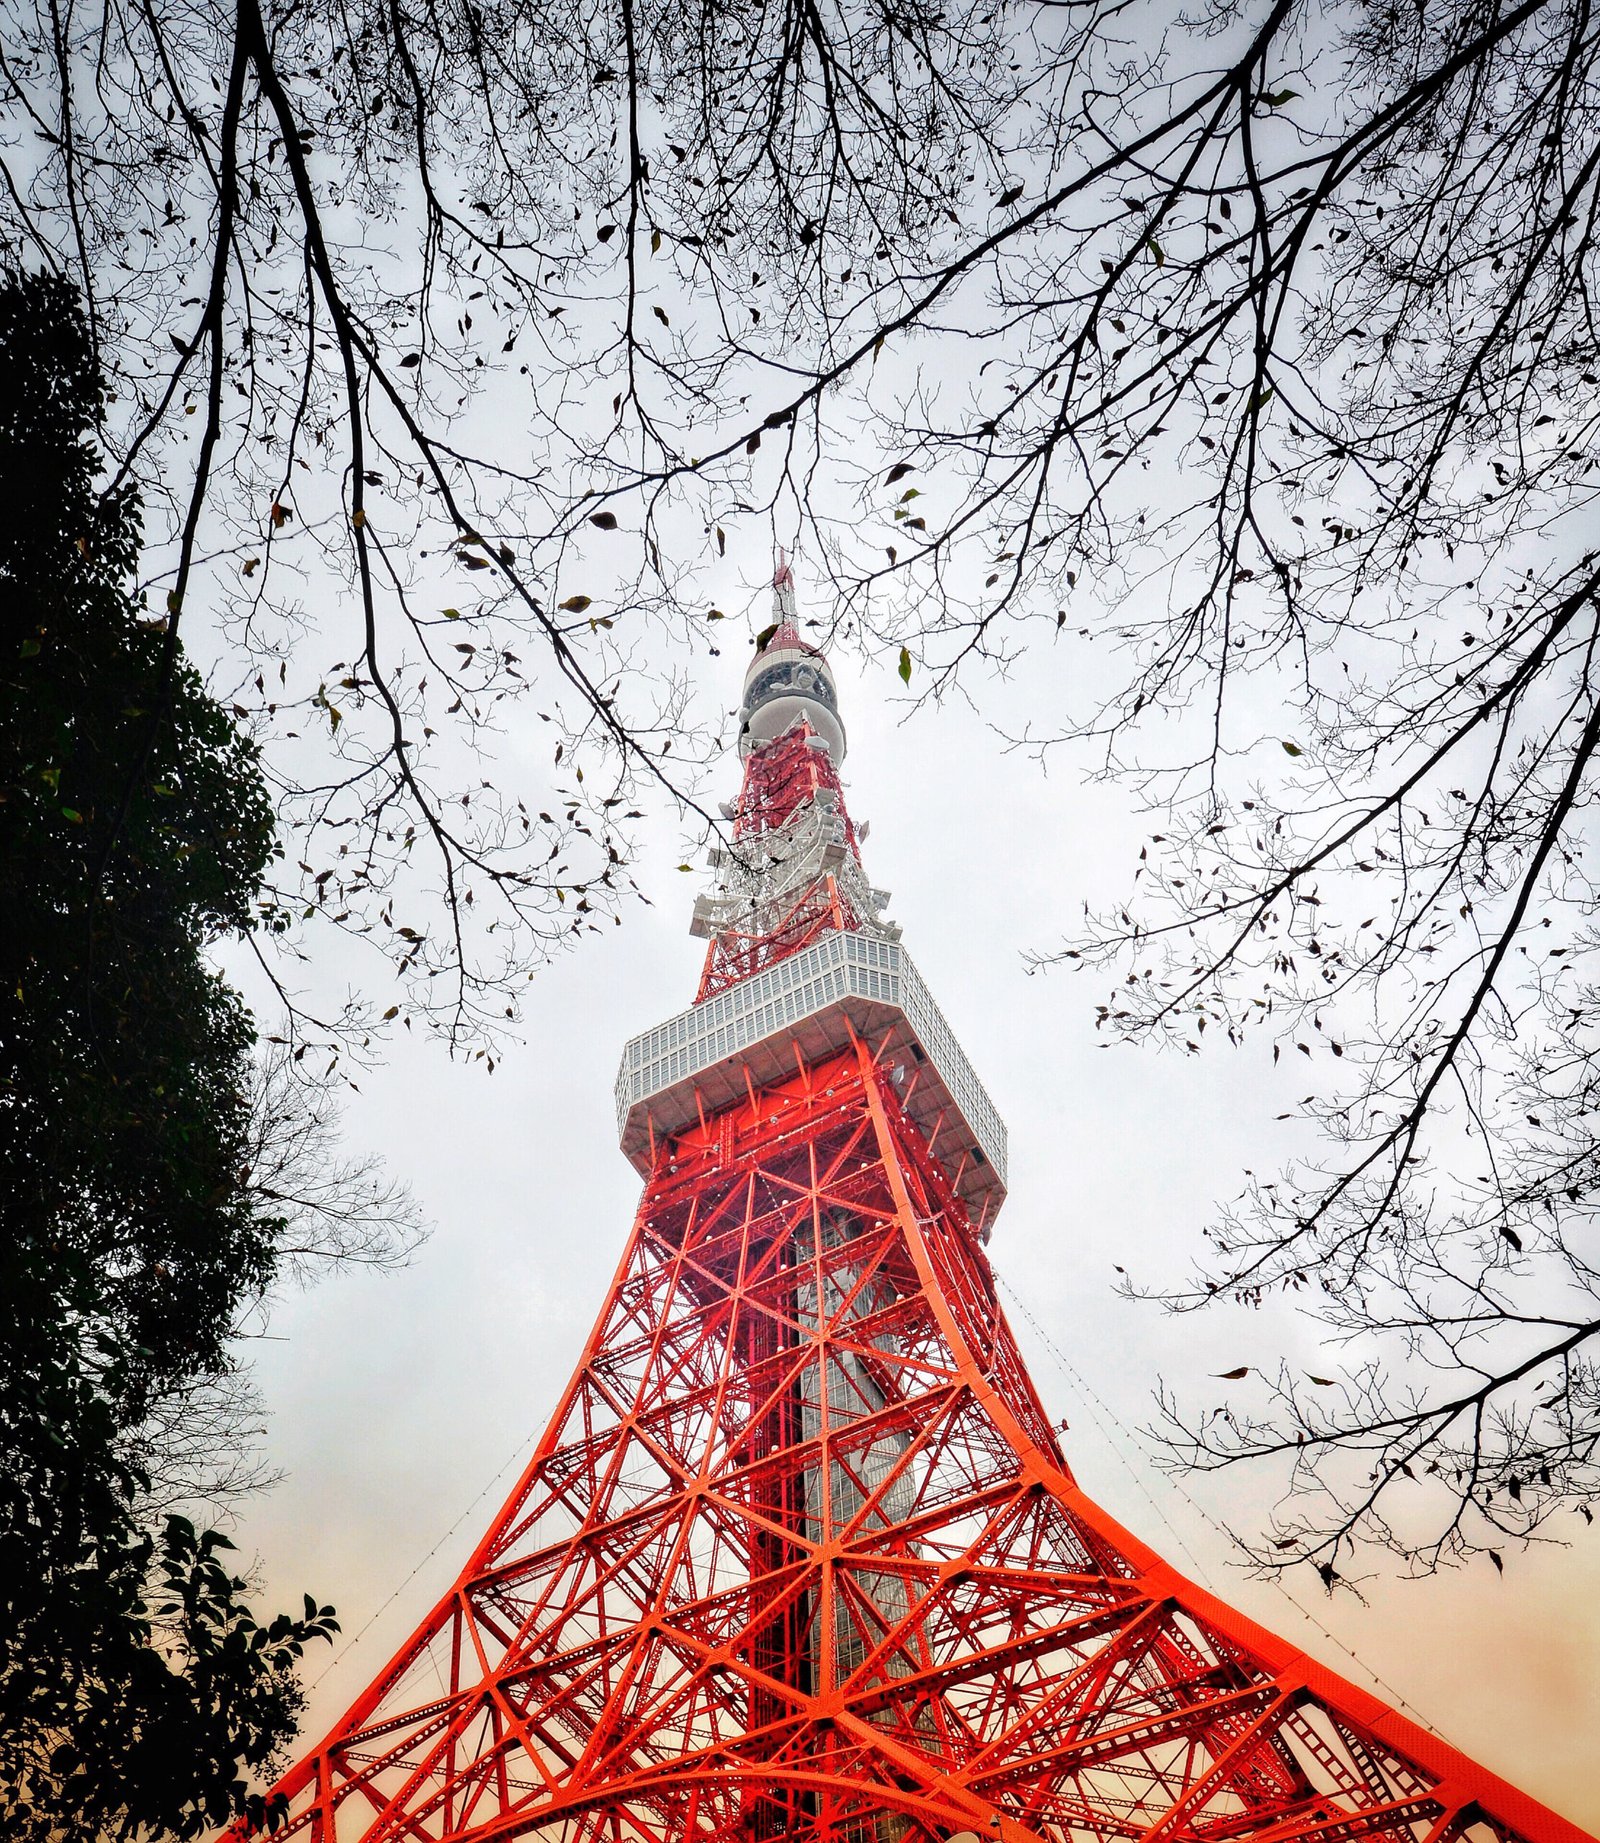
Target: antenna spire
x=783, y=602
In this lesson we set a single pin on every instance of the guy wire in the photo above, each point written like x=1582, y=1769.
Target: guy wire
x=1093, y=1401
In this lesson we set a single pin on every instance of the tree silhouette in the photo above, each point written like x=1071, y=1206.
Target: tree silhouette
x=136, y=1684
x=1253, y=350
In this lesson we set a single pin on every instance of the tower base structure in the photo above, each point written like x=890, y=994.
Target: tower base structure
x=799, y=1557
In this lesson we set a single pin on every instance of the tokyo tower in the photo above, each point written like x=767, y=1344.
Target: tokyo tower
x=799, y=1555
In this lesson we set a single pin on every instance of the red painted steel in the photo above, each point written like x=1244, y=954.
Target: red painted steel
x=779, y=779
x=799, y=1556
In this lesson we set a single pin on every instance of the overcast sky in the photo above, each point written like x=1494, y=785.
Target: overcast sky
x=401, y=1405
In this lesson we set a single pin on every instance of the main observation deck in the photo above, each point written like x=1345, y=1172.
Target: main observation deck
x=708, y=1056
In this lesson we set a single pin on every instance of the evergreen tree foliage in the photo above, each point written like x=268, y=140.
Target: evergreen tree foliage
x=135, y=1683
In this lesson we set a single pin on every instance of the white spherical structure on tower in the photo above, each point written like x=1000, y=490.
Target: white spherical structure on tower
x=789, y=679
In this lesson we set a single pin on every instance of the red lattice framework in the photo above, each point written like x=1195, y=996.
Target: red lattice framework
x=779, y=780
x=799, y=1557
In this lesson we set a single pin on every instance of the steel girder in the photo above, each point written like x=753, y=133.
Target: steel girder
x=799, y=1556
x=783, y=782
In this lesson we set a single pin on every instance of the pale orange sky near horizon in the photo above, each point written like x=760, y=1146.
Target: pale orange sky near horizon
x=396, y=1400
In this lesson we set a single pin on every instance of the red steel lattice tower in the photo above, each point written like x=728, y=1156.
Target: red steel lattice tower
x=799, y=1555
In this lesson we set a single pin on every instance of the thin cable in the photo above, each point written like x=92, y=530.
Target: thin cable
x=519, y=1452
x=1091, y=1399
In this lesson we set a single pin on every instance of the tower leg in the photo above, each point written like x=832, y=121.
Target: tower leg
x=799, y=1556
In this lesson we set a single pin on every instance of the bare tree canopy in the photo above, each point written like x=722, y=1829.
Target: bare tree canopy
x=202, y=1440
x=1254, y=348
x=397, y=285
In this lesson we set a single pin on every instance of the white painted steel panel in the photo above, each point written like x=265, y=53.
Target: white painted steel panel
x=701, y=1056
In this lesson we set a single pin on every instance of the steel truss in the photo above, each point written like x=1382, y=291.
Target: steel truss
x=799, y=1556
x=782, y=886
